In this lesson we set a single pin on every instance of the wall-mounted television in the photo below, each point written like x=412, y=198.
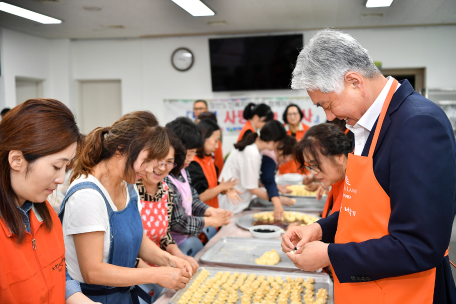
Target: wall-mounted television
x=253, y=63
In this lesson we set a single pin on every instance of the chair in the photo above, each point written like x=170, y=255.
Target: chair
x=191, y=246
x=209, y=232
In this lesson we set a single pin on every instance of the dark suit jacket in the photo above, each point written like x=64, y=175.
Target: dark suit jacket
x=415, y=163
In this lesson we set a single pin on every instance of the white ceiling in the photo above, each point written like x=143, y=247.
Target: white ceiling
x=149, y=18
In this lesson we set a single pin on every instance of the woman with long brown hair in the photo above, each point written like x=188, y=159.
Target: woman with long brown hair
x=101, y=219
x=38, y=140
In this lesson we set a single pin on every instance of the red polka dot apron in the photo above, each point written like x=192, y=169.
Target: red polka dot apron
x=154, y=216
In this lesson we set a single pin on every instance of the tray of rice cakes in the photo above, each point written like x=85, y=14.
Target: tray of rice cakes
x=304, y=204
x=212, y=285
x=248, y=252
x=267, y=218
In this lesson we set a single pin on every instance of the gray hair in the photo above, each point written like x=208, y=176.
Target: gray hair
x=323, y=63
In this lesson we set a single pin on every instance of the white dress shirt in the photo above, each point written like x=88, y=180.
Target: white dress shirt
x=363, y=127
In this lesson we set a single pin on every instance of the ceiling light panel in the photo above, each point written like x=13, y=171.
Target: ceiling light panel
x=196, y=8
x=24, y=13
x=378, y=3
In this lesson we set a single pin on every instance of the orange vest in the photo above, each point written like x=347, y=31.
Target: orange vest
x=208, y=166
x=248, y=126
x=364, y=215
x=33, y=271
x=292, y=165
x=218, y=157
x=334, y=198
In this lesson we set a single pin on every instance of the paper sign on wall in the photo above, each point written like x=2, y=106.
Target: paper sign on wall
x=229, y=111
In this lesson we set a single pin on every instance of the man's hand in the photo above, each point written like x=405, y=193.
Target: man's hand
x=311, y=257
x=298, y=236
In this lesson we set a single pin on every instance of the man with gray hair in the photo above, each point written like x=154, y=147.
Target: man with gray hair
x=388, y=243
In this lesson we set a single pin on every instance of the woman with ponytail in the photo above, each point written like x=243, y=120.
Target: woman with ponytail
x=244, y=164
x=101, y=219
x=38, y=140
x=256, y=115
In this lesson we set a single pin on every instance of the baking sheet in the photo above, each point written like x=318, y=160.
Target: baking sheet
x=322, y=280
x=235, y=252
x=306, y=205
x=313, y=197
x=246, y=221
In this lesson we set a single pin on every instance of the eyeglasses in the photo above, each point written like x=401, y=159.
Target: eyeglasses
x=314, y=168
x=168, y=165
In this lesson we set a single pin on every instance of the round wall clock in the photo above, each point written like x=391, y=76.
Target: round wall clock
x=182, y=59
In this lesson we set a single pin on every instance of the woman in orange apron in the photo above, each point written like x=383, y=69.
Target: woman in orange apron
x=292, y=117
x=256, y=115
x=218, y=153
x=39, y=139
x=204, y=172
x=328, y=144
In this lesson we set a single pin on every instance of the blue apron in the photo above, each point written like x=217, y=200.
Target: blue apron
x=126, y=237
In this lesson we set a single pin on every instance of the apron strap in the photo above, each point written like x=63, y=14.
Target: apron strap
x=382, y=117
x=137, y=292
x=80, y=186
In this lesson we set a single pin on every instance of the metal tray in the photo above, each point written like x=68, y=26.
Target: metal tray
x=309, y=197
x=234, y=252
x=322, y=280
x=306, y=205
x=246, y=221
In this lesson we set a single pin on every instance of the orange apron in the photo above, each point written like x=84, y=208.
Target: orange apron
x=365, y=204
x=292, y=165
x=248, y=126
x=34, y=270
x=208, y=166
x=334, y=199
x=218, y=157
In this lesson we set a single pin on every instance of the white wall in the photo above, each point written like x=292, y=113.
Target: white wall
x=33, y=57
x=108, y=60
x=147, y=76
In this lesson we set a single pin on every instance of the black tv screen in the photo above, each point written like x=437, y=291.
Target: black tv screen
x=253, y=63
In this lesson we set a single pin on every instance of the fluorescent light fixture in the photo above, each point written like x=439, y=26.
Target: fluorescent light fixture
x=196, y=8
x=21, y=12
x=378, y=3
